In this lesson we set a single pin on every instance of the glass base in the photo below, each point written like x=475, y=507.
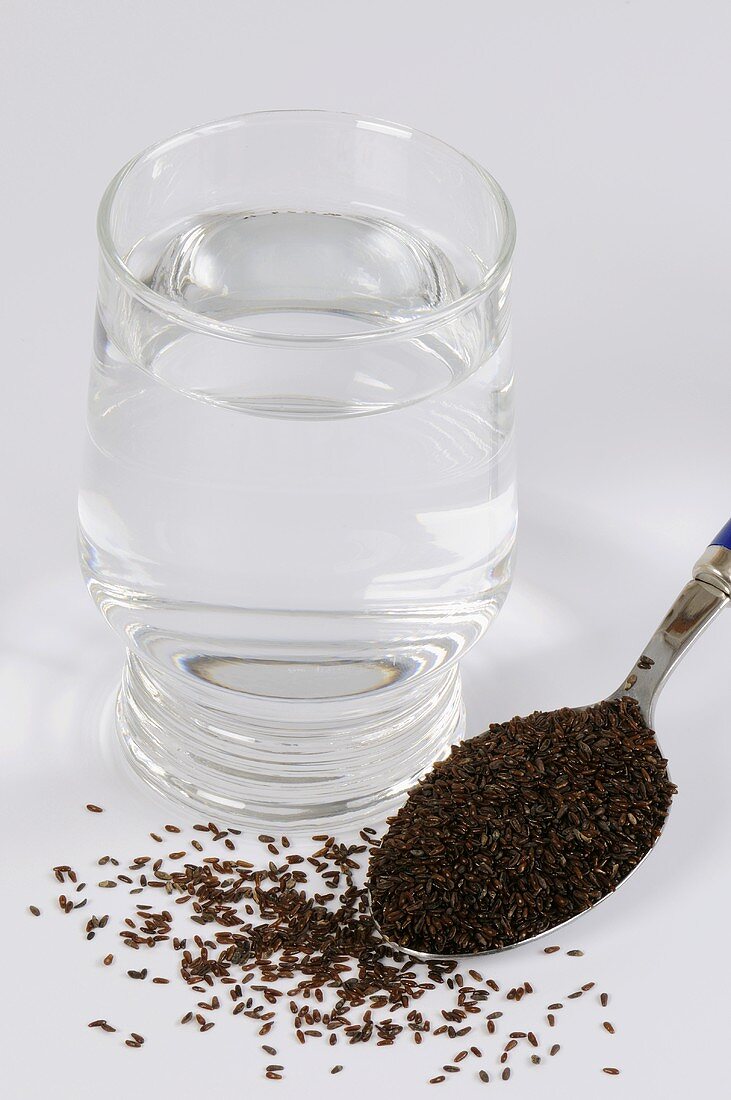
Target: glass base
x=265, y=761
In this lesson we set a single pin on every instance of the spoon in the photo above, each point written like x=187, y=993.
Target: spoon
x=698, y=603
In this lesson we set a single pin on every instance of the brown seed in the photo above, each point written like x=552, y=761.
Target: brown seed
x=108, y=960
x=336, y=1069
x=551, y=1020
x=611, y=1070
x=547, y=762
x=604, y=999
x=608, y=1027
x=451, y=1069
x=555, y=1007
x=535, y=1059
x=551, y=950
x=484, y=1076
x=34, y=910
x=437, y=1080
x=554, y=1049
x=94, y=809
x=506, y=1073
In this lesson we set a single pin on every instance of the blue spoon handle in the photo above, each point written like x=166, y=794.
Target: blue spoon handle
x=723, y=538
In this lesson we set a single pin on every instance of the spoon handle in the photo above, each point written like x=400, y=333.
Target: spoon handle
x=699, y=602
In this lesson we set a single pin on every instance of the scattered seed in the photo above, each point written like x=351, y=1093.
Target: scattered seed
x=611, y=1070
x=94, y=809
x=608, y=1027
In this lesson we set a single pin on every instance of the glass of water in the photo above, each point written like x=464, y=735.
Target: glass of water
x=298, y=499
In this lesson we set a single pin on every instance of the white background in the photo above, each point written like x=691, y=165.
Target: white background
x=607, y=124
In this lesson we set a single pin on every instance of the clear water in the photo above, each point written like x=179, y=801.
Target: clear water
x=299, y=524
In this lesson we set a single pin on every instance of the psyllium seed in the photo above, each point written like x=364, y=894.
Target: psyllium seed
x=604, y=999
x=272, y=940
x=608, y=1027
x=521, y=786
x=94, y=809
x=34, y=910
x=554, y=1049
x=550, y=950
x=611, y=1070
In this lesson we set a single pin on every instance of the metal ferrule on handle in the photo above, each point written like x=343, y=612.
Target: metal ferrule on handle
x=696, y=606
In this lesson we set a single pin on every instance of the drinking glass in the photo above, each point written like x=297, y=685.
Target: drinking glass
x=298, y=498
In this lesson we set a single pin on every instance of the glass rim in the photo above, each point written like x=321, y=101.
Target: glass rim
x=189, y=319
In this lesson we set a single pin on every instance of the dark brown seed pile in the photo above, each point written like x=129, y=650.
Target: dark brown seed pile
x=287, y=942
x=520, y=829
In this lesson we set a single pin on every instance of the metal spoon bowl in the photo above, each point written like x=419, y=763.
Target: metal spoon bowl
x=697, y=605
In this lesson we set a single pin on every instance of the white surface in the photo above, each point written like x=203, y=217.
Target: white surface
x=607, y=125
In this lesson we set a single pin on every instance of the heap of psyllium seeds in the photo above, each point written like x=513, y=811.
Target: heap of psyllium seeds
x=288, y=942
x=520, y=829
